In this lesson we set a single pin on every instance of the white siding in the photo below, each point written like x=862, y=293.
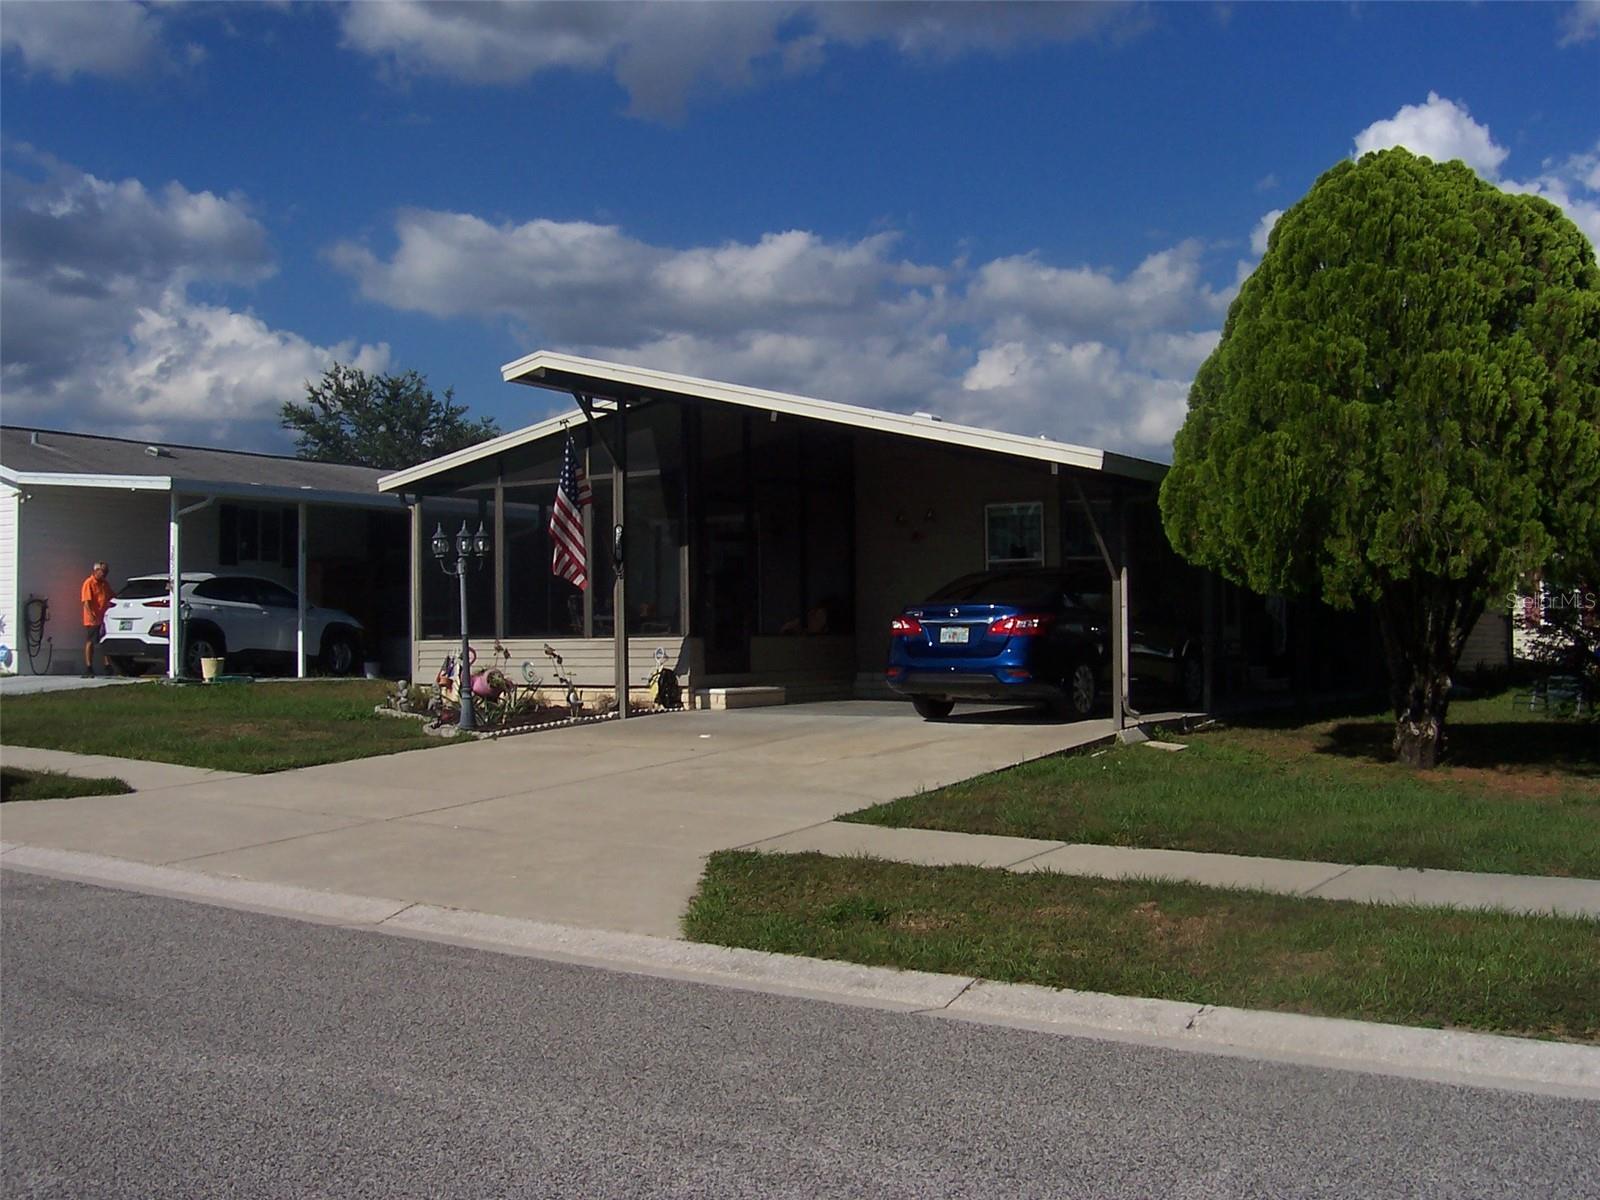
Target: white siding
x=61, y=533
x=10, y=617
x=1488, y=646
x=589, y=661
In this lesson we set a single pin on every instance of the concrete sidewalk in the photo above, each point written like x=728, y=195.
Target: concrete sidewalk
x=603, y=826
x=1327, y=881
x=138, y=774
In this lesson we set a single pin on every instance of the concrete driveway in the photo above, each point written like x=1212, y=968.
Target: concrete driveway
x=605, y=826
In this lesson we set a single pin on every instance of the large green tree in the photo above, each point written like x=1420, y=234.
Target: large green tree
x=1404, y=409
x=379, y=420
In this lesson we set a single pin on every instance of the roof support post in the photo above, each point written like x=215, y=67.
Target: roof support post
x=619, y=597
x=174, y=590
x=1119, y=614
x=300, y=594
x=618, y=449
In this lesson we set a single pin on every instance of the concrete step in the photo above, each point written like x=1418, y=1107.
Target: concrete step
x=739, y=697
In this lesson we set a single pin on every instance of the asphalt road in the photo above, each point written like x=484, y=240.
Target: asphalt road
x=159, y=1048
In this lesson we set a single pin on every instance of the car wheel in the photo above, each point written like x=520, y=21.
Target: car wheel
x=930, y=709
x=1080, y=691
x=202, y=643
x=130, y=667
x=340, y=655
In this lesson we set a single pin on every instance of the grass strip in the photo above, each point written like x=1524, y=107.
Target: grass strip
x=18, y=785
x=1534, y=976
x=250, y=728
x=1316, y=790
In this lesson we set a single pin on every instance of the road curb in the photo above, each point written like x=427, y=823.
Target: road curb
x=1451, y=1056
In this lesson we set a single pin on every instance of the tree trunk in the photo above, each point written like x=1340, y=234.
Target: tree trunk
x=1425, y=624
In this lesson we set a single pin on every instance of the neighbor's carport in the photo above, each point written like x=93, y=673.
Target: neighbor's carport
x=152, y=508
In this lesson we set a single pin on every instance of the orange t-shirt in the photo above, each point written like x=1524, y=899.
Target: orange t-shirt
x=97, y=597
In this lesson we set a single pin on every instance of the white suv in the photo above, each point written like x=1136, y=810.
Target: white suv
x=237, y=617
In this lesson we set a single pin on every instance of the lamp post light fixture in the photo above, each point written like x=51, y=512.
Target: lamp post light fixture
x=471, y=550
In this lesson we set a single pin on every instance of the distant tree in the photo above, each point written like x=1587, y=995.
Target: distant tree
x=1404, y=408
x=379, y=420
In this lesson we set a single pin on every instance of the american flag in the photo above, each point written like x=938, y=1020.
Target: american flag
x=568, y=554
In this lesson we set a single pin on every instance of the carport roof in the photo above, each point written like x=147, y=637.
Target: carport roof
x=51, y=457
x=610, y=380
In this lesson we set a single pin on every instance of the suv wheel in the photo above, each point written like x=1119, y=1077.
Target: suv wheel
x=340, y=654
x=204, y=642
x=930, y=709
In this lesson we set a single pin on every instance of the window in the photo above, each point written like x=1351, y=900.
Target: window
x=1014, y=534
x=256, y=535
x=275, y=595
x=227, y=589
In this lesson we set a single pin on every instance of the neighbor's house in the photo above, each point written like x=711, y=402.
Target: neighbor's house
x=69, y=499
x=770, y=538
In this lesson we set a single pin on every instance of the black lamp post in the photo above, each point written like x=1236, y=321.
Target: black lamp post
x=470, y=550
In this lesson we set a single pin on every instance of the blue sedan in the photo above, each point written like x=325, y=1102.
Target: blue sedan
x=1029, y=635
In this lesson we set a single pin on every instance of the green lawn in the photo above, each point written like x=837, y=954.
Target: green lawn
x=17, y=784
x=1538, y=976
x=1521, y=794
x=241, y=727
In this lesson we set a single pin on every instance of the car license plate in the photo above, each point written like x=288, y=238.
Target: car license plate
x=124, y=626
x=953, y=635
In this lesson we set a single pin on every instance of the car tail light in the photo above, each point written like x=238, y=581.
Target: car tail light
x=162, y=603
x=905, y=627
x=1022, y=625
x=895, y=672
x=159, y=629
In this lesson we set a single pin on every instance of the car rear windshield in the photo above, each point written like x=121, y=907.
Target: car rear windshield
x=1028, y=589
x=142, y=589
x=1000, y=589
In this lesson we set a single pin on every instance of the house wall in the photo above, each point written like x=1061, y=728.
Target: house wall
x=1488, y=646
x=11, y=634
x=590, y=661
x=920, y=524
x=61, y=533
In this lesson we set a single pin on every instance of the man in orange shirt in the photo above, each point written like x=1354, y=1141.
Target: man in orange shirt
x=97, y=596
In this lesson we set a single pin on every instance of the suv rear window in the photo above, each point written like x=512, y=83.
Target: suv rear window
x=142, y=589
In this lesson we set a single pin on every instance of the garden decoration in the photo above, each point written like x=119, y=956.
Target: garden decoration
x=574, y=701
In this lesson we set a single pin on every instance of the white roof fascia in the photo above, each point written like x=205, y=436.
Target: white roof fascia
x=529, y=370
x=506, y=441
x=136, y=483
x=904, y=424
x=231, y=489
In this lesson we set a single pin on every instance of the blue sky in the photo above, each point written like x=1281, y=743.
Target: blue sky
x=1031, y=217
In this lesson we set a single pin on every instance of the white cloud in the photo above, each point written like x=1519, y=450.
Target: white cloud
x=1444, y=130
x=115, y=38
x=579, y=282
x=1439, y=129
x=1573, y=185
x=846, y=320
x=1117, y=400
x=97, y=325
x=1023, y=292
x=1263, y=231
x=663, y=54
x=1580, y=23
